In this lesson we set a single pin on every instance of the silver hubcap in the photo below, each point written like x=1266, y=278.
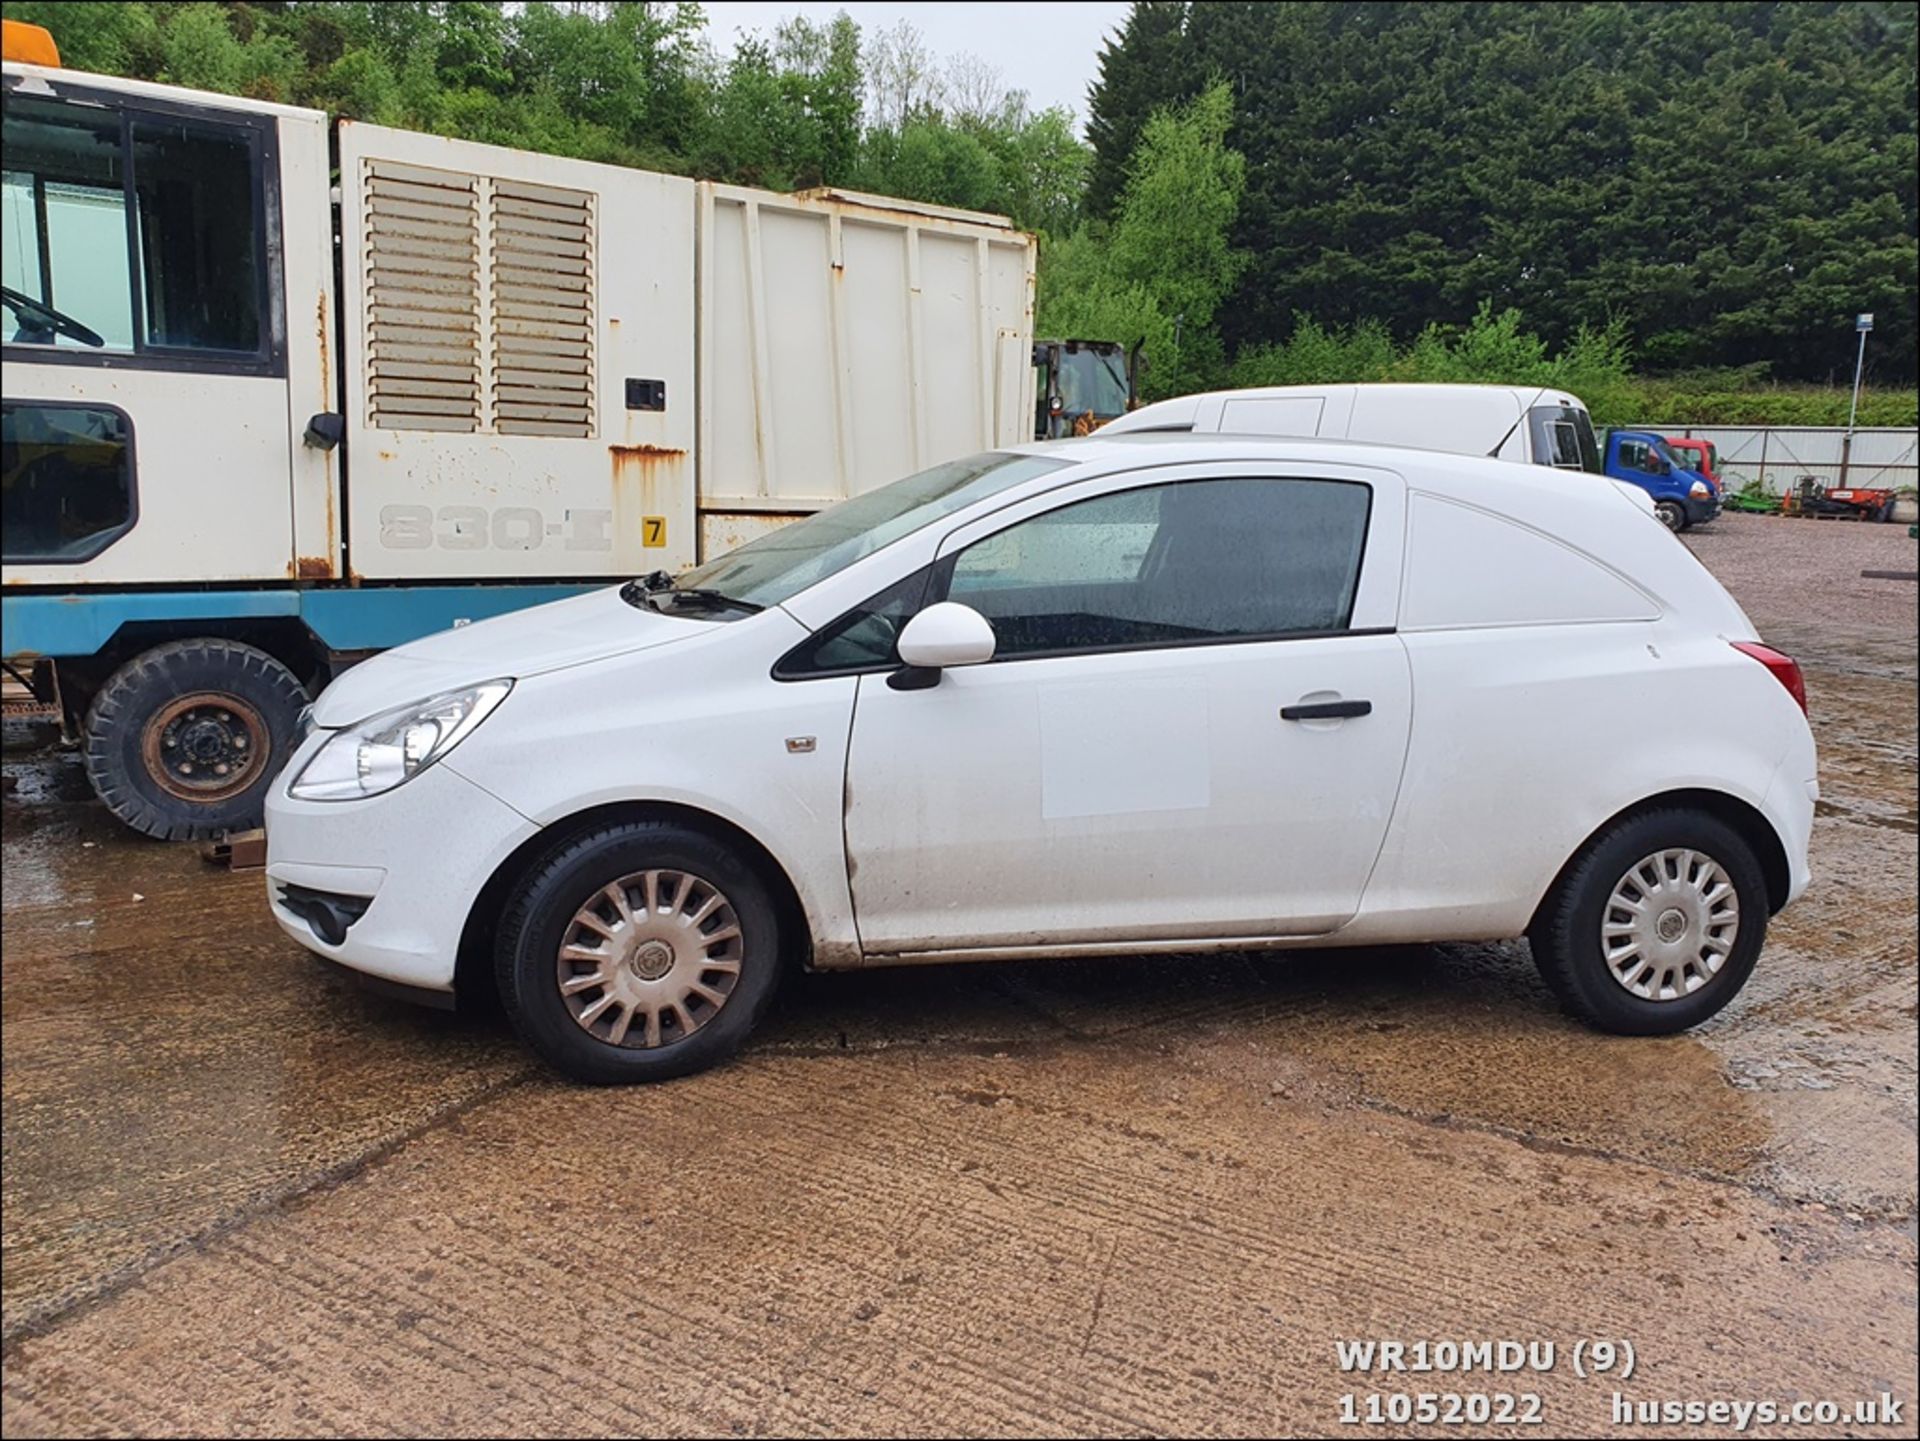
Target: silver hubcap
x=1670, y=924
x=650, y=959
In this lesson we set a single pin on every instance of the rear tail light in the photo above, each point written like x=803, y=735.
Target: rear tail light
x=1785, y=668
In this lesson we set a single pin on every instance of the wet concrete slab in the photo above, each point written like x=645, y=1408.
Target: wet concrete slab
x=1088, y=1237
x=243, y=1197
x=171, y=1064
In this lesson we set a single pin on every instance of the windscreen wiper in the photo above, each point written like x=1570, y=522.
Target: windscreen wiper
x=707, y=597
x=658, y=583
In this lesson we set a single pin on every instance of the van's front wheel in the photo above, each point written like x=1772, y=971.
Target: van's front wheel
x=637, y=952
x=1673, y=515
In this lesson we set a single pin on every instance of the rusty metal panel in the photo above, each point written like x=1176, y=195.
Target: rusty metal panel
x=847, y=340
x=722, y=531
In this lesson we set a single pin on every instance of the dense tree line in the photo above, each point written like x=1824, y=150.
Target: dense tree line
x=1732, y=181
x=628, y=83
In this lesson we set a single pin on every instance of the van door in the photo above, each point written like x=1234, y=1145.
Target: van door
x=1193, y=727
x=146, y=419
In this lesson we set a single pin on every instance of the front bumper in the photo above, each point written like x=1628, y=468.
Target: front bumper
x=1699, y=512
x=417, y=856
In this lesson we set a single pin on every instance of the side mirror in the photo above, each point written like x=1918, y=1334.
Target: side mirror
x=325, y=430
x=942, y=635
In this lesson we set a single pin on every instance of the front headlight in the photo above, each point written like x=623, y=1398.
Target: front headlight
x=395, y=746
x=1699, y=490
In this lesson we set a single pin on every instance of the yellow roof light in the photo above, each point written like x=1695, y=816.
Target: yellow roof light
x=27, y=44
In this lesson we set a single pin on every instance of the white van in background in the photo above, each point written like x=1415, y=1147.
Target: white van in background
x=1525, y=423
x=1505, y=422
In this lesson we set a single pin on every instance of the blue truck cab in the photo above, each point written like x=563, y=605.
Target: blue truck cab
x=1681, y=496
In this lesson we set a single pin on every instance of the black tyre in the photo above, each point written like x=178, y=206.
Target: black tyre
x=1655, y=926
x=183, y=740
x=1673, y=515
x=638, y=952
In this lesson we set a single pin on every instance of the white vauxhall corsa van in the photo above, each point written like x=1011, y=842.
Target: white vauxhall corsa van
x=1121, y=695
x=1503, y=422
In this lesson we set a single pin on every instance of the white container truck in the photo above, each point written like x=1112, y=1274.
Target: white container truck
x=280, y=392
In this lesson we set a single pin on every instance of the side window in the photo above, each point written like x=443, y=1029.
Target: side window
x=199, y=274
x=862, y=639
x=66, y=224
x=1195, y=561
x=1102, y=541
x=1563, y=438
x=1565, y=453
x=66, y=480
x=1633, y=455
x=141, y=231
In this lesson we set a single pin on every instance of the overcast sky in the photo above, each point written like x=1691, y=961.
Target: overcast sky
x=1049, y=50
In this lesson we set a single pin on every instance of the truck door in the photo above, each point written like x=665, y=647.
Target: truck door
x=146, y=419
x=518, y=360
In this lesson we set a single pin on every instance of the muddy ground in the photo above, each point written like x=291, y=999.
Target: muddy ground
x=1113, y=1197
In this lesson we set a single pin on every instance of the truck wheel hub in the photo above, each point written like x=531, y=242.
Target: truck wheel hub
x=204, y=747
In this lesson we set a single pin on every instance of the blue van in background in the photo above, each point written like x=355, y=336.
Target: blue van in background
x=1681, y=496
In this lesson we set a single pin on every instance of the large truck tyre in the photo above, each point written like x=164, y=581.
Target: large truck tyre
x=184, y=739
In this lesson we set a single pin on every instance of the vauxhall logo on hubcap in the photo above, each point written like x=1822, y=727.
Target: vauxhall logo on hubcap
x=651, y=960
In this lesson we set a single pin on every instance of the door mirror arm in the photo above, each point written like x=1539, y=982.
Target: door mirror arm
x=914, y=677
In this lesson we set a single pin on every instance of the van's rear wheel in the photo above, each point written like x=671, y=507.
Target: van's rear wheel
x=1673, y=515
x=183, y=740
x=1655, y=926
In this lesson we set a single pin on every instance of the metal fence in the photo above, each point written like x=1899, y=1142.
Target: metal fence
x=1777, y=456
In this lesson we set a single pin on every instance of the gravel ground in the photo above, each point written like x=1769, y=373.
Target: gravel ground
x=1810, y=569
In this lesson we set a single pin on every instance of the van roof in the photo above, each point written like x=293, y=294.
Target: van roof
x=1443, y=470
x=1183, y=412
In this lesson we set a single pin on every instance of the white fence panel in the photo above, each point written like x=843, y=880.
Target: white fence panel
x=1777, y=456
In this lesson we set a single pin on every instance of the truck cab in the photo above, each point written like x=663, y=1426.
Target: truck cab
x=1682, y=494
x=1081, y=385
x=1700, y=455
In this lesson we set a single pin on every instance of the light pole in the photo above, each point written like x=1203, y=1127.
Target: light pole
x=1862, y=322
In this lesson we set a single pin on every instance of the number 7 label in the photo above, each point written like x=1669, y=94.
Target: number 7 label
x=653, y=531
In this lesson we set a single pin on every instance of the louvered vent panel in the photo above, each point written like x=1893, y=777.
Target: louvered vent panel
x=422, y=259
x=542, y=310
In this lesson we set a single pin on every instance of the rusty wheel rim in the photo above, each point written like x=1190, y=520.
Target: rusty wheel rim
x=205, y=747
x=649, y=959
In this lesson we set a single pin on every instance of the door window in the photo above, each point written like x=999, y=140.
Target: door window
x=66, y=480
x=1563, y=438
x=1191, y=562
x=139, y=230
x=1637, y=455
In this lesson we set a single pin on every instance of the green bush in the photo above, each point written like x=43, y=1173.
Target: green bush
x=1495, y=349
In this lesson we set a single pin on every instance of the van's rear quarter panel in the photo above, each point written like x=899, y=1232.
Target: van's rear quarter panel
x=1526, y=739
